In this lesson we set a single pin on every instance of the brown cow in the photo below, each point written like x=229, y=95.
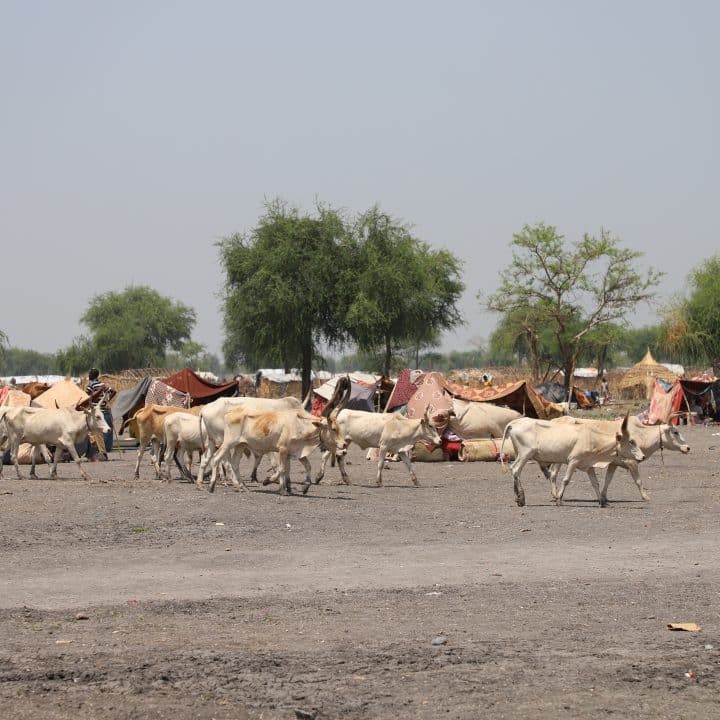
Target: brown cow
x=149, y=422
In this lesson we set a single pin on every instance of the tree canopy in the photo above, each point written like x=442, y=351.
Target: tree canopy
x=568, y=295
x=129, y=329
x=404, y=293
x=691, y=324
x=284, y=283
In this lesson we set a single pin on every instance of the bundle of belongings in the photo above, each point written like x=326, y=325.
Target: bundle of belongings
x=470, y=420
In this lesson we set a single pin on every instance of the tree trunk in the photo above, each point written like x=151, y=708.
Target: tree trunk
x=388, y=357
x=569, y=369
x=532, y=341
x=306, y=370
x=602, y=359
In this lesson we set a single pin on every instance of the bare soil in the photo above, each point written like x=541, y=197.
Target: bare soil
x=126, y=598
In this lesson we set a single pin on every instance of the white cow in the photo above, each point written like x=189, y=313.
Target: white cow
x=212, y=422
x=4, y=440
x=390, y=432
x=62, y=427
x=649, y=439
x=181, y=431
x=579, y=444
x=476, y=420
x=289, y=433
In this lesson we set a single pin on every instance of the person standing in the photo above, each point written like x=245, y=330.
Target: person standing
x=604, y=391
x=95, y=385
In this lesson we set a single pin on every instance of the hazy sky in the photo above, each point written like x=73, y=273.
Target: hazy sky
x=134, y=135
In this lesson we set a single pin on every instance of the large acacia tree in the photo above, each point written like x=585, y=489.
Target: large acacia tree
x=129, y=329
x=404, y=292
x=570, y=289
x=284, y=287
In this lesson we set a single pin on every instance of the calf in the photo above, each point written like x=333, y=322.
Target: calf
x=181, y=431
x=62, y=427
x=150, y=430
x=285, y=432
x=579, y=444
x=390, y=432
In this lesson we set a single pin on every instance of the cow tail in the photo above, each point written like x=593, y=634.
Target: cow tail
x=501, y=456
x=203, y=433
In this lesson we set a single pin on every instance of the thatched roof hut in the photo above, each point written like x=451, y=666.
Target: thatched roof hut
x=639, y=381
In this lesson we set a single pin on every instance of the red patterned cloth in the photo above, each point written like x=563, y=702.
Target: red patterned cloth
x=161, y=394
x=318, y=405
x=404, y=390
x=430, y=395
x=664, y=403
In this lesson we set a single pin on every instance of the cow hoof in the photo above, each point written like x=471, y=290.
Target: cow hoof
x=645, y=497
x=211, y=489
x=306, y=488
x=520, y=500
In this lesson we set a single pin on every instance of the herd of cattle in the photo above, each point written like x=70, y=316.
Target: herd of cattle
x=228, y=429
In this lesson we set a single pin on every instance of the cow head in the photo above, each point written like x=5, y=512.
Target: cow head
x=626, y=444
x=671, y=439
x=94, y=417
x=331, y=437
x=430, y=434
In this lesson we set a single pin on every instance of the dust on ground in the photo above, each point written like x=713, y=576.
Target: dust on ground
x=126, y=598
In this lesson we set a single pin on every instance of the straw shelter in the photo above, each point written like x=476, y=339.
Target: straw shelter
x=638, y=383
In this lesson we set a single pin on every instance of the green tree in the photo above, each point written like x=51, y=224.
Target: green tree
x=403, y=292
x=284, y=285
x=18, y=361
x=572, y=288
x=632, y=345
x=129, y=329
x=691, y=325
x=78, y=357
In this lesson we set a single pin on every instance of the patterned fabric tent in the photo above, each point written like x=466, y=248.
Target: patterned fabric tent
x=201, y=391
x=434, y=392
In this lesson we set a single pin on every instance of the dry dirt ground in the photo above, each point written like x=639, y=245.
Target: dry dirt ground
x=126, y=598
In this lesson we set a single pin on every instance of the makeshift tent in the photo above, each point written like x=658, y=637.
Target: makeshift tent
x=362, y=393
x=161, y=394
x=437, y=393
x=13, y=398
x=555, y=393
x=701, y=397
x=665, y=402
x=639, y=381
x=65, y=393
x=200, y=390
x=127, y=402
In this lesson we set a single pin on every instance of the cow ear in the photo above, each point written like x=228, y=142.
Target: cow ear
x=82, y=404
